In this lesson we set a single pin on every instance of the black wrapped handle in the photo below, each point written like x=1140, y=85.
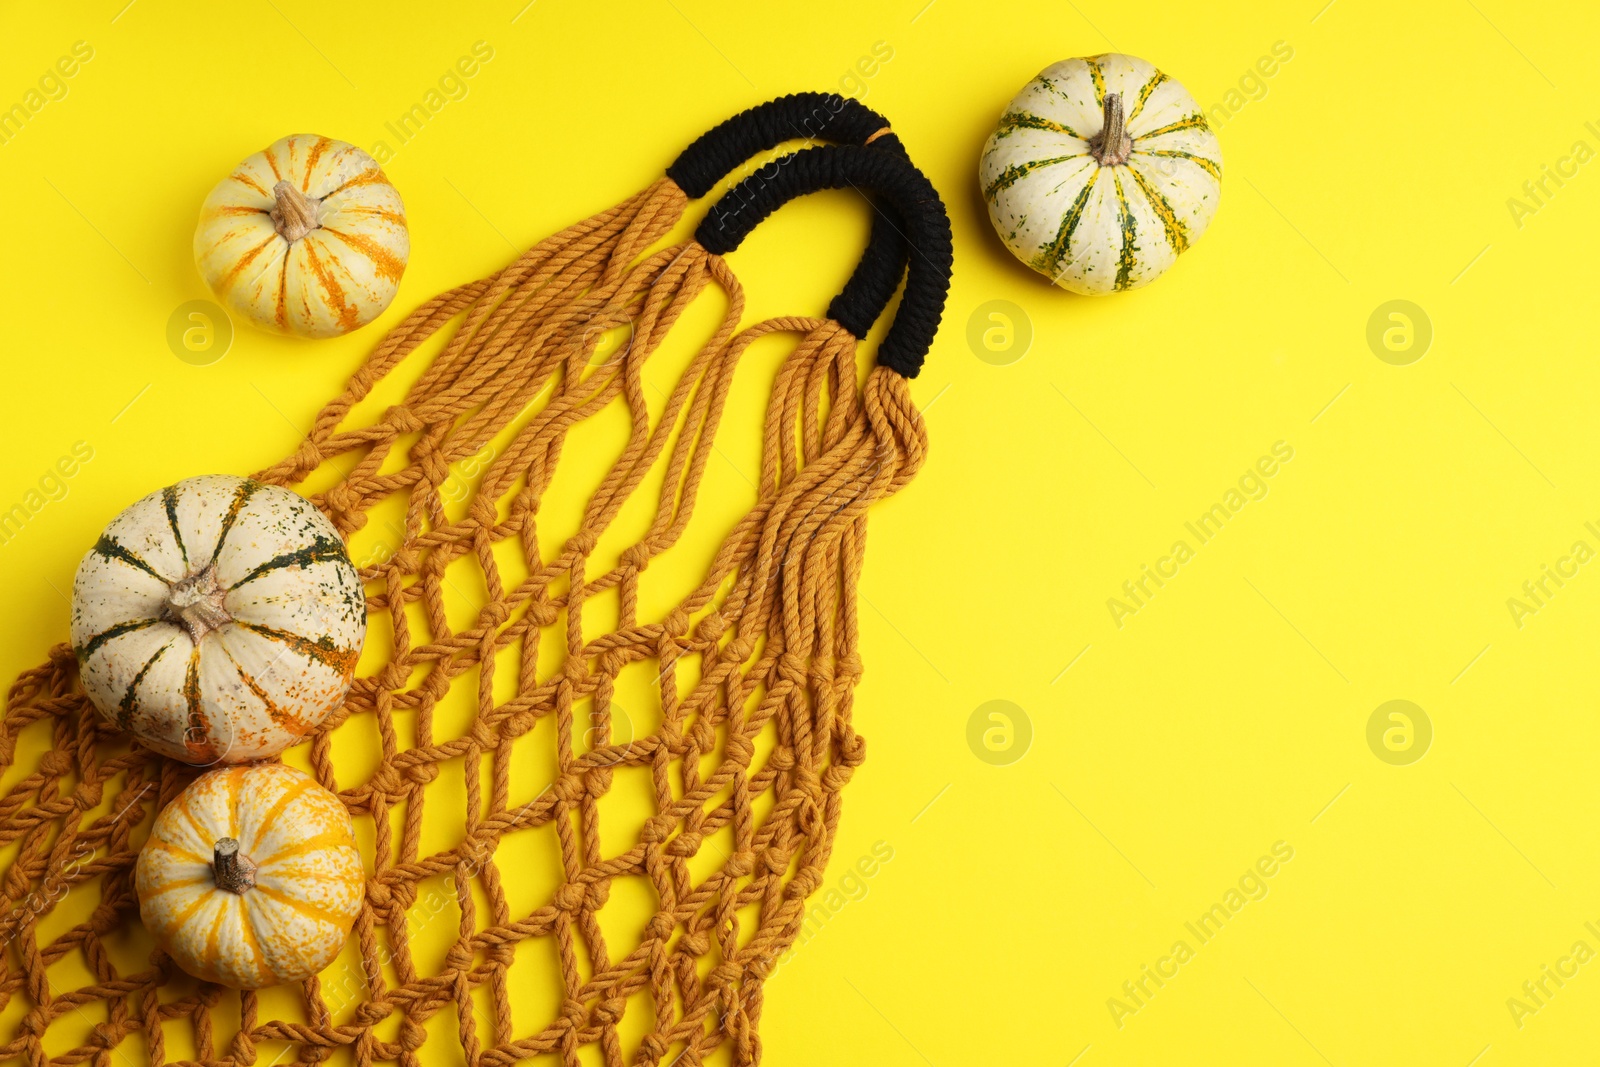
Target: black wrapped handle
x=809, y=116
x=896, y=185
x=812, y=116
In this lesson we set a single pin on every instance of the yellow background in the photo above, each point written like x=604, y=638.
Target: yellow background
x=1231, y=711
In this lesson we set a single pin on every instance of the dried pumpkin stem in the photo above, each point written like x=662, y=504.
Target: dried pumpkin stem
x=1112, y=145
x=197, y=604
x=295, y=214
x=231, y=869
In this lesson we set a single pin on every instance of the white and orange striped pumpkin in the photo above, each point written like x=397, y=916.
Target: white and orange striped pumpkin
x=251, y=877
x=307, y=238
x=1101, y=172
x=219, y=620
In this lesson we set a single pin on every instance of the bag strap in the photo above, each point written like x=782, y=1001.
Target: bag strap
x=809, y=116
x=896, y=185
x=812, y=116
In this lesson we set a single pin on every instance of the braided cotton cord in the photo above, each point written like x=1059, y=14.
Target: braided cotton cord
x=763, y=649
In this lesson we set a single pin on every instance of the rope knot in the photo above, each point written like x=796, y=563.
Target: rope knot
x=371, y=1013
x=609, y=1011
x=671, y=734
x=544, y=613
x=475, y=855
x=422, y=773
x=494, y=615
x=343, y=503
x=834, y=779
x=803, y=884
x=704, y=735
x=710, y=628
x=656, y=828
x=402, y=419
x=739, y=750
x=483, y=511
x=405, y=559
x=685, y=844
x=391, y=898
x=652, y=1049
x=676, y=623
x=412, y=1035
x=793, y=668
x=385, y=781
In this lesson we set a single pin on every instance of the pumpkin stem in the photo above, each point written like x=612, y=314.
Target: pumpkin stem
x=196, y=603
x=1112, y=145
x=295, y=214
x=231, y=869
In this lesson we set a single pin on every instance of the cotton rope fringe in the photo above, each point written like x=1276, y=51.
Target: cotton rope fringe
x=766, y=643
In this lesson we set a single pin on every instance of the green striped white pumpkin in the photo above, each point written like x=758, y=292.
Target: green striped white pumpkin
x=218, y=620
x=1096, y=218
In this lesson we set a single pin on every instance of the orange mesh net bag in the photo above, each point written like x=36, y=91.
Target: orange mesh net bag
x=750, y=738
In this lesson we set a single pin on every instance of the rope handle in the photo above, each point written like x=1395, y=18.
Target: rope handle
x=896, y=186
x=812, y=116
x=808, y=116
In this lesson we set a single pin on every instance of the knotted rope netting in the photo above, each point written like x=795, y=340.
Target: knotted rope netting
x=754, y=669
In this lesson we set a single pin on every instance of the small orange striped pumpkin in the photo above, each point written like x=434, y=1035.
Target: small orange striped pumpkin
x=218, y=620
x=307, y=238
x=251, y=877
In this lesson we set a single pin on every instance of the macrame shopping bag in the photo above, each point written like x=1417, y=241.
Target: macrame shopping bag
x=755, y=668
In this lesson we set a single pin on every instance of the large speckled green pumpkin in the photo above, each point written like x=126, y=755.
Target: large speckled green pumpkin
x=1101, y=172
